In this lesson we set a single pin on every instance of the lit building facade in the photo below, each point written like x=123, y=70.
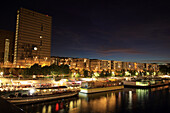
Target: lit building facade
x=97, y=65
x=118, y=66
x=73, y=63
x=6, y=47
x=94, y=65
x=32, y=38
x=105, y=65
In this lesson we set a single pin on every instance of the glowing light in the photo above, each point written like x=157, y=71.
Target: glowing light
x=127, y=73
x=35, y=48
x=96, y=74
x=45, y=90
x=113, y=73
x=147, y=73
x=154, y=73
x=136, y=73
x=32, y=91
x=142, y=83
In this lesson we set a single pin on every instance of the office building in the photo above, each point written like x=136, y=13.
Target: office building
x=32, y=38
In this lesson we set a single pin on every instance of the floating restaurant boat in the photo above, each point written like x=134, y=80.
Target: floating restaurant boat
x=42, y=94
x=100, y=86
x=147, y=83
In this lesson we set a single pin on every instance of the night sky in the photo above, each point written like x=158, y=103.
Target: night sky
x=123, y=30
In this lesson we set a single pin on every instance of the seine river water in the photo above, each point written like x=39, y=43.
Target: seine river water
x=128, y=100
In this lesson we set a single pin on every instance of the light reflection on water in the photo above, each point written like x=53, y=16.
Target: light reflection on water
x=122, y=101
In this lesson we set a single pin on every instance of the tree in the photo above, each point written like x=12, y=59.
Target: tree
x=64, y=69
x=164, y=69
x=26, y=73
x=123, y=72
x=107, y=74
x=86, y=73
x=35, y=69
x=11, y=70
x=102, y=74
x=45, y=70
x=132, y=72
x=20, y=71
x=54, y=69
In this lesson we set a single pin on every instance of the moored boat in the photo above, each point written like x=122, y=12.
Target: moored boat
x=146, y=83
x=100, y=86
x=42, y=94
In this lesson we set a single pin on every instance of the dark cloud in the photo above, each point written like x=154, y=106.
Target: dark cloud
x=112, y=51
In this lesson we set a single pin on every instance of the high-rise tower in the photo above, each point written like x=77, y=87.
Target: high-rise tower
x=32, y=38
x=6, y=46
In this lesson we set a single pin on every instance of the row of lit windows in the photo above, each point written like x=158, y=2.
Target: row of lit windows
x=16, y=39
x=35, y=20
x=36, y=27
x=35, y=14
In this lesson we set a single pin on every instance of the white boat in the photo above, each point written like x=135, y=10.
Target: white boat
x=96, y=87
x=43, y=94
x=146, y=83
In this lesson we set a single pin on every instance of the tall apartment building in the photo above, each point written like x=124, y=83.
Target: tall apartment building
x=6, y=46
x=32, y=38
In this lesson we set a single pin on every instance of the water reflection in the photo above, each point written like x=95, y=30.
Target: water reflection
x=128, y=100
x=99, y=102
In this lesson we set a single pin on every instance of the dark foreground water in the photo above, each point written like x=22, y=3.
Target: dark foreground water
x=155, y=100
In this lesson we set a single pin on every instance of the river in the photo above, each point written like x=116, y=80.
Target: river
x=128, y=100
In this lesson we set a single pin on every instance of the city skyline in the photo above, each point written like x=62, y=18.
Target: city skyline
x=122, y=31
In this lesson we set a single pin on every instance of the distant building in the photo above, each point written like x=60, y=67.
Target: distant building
x=94, y=65
x=73, y=63
x=118, y=66
x=32, y=38
x=6, y=47
x=105, y=65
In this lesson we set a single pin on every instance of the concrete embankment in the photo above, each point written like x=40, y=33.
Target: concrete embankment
x=6, y=107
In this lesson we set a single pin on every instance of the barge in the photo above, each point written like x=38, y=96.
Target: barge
x=96, y=87
x=146, y=83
